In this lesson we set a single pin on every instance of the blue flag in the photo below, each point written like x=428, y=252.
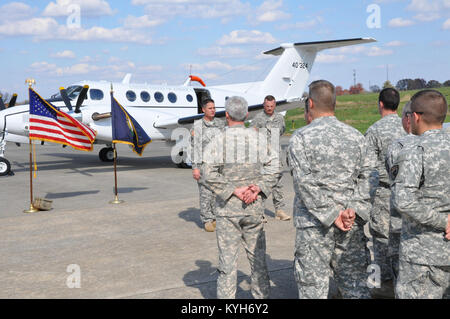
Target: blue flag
x=126, y=130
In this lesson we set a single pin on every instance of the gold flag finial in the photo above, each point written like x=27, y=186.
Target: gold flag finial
x=30, y=82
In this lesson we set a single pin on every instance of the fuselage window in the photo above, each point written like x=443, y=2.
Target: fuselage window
x=131, y=96
x=96, y=94
x=159, y=97
x=189, y=98
x=145, y=96
x=172, y=97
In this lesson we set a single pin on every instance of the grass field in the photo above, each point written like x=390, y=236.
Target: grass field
x=359, y=111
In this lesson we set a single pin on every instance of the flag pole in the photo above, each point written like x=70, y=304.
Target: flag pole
x=32, y=209
x=116, y=198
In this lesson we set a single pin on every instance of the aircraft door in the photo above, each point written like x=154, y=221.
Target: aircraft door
x=202, y=95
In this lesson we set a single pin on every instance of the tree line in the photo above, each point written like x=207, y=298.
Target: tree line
x=402, y=85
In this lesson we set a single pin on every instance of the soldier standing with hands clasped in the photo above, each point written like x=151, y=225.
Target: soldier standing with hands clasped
x=273, y=122
x=420, y=193
x=241, y=175
x=332, y=202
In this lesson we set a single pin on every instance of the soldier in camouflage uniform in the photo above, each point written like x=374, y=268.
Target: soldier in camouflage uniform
x=273, y=122
x=201, y=134
x=395, y=225
x=331, y=182
x=379, y=136
x=240, y=179
x=421, y=195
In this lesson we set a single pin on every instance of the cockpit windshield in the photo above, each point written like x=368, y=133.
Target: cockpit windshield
x=72, y=92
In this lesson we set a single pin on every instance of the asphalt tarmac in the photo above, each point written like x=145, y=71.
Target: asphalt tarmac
x=151, y=246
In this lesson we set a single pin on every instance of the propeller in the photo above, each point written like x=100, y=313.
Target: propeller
x=12, y=102
x=81, y=97
x=2, y=104
x=65, y=98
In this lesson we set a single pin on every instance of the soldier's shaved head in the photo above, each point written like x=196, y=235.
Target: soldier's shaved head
x=323, y=94
x=431, y=104
x=406, y=109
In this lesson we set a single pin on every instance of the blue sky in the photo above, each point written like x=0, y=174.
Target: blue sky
x=219, y=40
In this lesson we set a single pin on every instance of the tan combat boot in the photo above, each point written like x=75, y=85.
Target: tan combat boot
x=210, y=226
x=281, y=215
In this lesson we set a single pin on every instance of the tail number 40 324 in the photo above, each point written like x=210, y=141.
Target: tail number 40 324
x=300, y=65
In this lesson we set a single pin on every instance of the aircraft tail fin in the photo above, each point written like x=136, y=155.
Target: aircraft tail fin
x=291, y=72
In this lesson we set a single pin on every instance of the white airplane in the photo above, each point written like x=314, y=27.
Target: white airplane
x=161, y=109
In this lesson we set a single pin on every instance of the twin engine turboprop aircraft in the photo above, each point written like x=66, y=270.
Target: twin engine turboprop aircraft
x=161, y=109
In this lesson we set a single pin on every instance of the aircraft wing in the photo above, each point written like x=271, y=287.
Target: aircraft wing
x=252, y=110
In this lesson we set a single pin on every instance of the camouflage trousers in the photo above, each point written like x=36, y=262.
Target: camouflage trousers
x=323, y=253
x=207, y=203
x=422, y=281
x=231, y=232
x=277, y=194
x=379, y=229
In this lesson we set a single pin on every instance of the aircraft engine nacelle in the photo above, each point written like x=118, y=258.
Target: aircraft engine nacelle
x=99, y=119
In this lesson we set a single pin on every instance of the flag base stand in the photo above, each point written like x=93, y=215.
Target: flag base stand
x=31, y=210
x=116, y=201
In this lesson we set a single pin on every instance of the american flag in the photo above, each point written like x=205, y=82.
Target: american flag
x=48, y=123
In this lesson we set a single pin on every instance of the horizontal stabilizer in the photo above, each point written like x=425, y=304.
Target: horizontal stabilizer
x=322, y=45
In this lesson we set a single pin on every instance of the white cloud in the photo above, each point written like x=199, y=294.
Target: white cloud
x=395, y=43
x=43, y=67
x=144, y=21
x=446, y=25
x=368, y=51
x=199, y=9
x=269, y=11
x=428, y=5
x=246, y=37
x=16, y=11
x=329, y=58
x=427, y=17
x=115, y=68
x=400, y=22
x=66, y=54
x=376, y=51
x=61, y=8
x=49, y=29
x=430, y=10
x=33, y=27
x=222, y=52
x=301, y=24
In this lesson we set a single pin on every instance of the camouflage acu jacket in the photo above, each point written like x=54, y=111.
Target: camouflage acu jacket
x=262, y=120
x=331, y=172
x=201, y=134
x=391, y=157
x=379, y=136
x=236, y=159
x=421, y=194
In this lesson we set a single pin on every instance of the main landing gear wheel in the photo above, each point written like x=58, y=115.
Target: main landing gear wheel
x=106, y=154
x=5, y=167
